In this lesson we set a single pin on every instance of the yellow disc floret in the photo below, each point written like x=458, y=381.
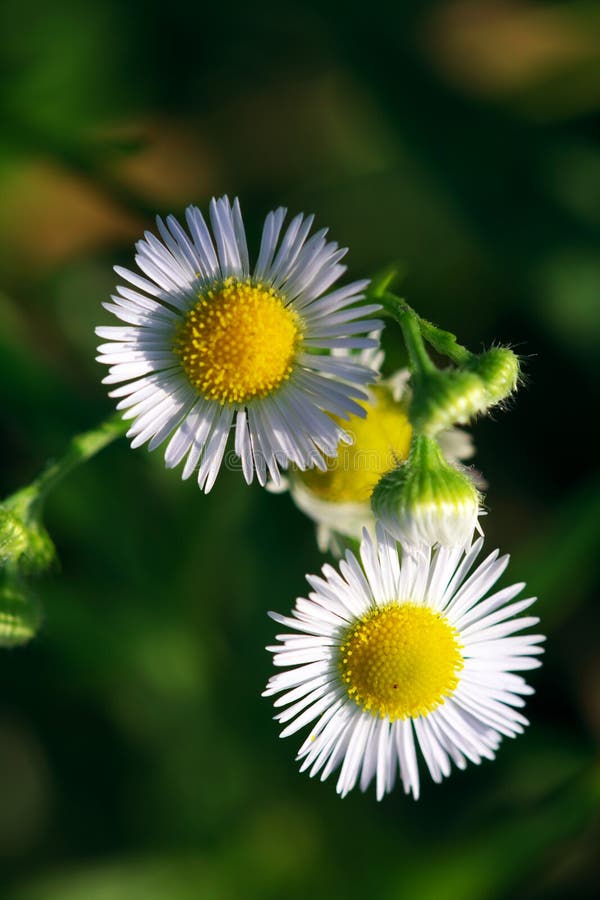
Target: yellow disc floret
x=380, y=442
x=400, y=660
x=238, y=342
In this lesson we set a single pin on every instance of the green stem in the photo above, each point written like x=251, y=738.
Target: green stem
x=411, y=331
x=443, y=342
x=426, y=453
x=27, y=501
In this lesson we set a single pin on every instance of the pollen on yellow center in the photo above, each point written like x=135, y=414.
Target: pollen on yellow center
x=401, y=660
x=238, y=342
x=380, y=442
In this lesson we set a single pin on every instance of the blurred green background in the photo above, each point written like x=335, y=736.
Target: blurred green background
x=137, y=760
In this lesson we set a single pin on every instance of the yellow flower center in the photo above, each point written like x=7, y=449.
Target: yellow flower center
x=381, y=441
x=238, y=342
x=400, y=660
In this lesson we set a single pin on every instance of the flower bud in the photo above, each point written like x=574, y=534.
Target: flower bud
x=426, y=500
x=20, y=613
x=41, y=552
x=24, y=542
x=443, y=398
x=498, y=369
x=13, y=537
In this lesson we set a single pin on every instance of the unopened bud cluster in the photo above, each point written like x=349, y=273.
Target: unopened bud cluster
x=426, y=500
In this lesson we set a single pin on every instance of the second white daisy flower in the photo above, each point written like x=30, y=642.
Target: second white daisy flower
x=399, y=655
x=209, y=344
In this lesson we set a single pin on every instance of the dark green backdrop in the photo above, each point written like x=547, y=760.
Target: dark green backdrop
x=137, y=760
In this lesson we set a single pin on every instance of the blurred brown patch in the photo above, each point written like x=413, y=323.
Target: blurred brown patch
x=500, y=47
x=49, y=215
x=172, y=165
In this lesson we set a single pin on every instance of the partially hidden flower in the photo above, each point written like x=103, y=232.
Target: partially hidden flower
x=337, y=499
x=210, y=344
x=398, y=660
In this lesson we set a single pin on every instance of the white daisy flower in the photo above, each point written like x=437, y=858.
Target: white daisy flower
x=210, y=344
x=400, y=655
x=338, y=498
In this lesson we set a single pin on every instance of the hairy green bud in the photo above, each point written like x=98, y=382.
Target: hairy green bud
x=24, y=542
x=426, y=500
x=498, y=369
x=13, y=537
x=443, y=398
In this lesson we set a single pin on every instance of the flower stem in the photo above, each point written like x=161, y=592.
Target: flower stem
x=443, y=342
x=27, y=501
x=409, y=321
x=420, y=360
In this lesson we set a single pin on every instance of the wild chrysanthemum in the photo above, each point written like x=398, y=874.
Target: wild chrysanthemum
x=400, y=654
x=210, y=344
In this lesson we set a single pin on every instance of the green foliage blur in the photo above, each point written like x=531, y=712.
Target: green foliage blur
x=137, y=759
